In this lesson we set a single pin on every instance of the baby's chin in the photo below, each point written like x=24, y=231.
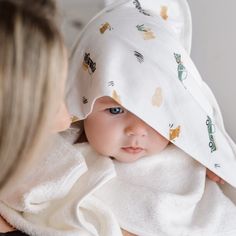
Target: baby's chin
x=127, y=159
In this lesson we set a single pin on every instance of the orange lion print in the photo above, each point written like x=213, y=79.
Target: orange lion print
x=174, y=132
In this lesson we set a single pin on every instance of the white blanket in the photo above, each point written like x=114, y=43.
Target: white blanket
x=51, y=177
x=167, y=195
x=56, y=201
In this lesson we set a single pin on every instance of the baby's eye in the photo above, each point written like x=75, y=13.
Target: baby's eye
x=115, y=110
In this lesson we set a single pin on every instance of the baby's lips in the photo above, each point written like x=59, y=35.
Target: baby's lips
x=133, y=150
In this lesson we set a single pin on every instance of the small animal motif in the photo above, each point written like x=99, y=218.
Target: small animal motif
x=182, y=72
x=139, y=56
x=105, y=27
x=116, y=97
x=174, y=132
x=84, y=100
x=146, y=32
x=163, y=12
x=88, y=64
x=211, y=131
x=141, y=10
x=157, y=98
x=111, y=83
x=217, y=165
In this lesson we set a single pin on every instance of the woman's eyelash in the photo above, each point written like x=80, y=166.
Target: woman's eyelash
x=115, y=110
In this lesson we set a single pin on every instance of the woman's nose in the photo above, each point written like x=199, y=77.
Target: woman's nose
x=136, y=127
x=62, y=119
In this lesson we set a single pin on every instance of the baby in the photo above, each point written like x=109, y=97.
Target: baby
x=115, y=132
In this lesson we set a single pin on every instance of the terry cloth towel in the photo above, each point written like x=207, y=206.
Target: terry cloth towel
x=131, y=55
x=76, y=213
x=165, y=194
x=50, y=179
x=168, y=194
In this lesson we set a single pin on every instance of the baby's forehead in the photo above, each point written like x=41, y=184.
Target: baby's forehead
x=106, y=100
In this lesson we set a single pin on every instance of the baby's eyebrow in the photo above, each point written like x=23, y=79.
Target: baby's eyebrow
x=107, y=102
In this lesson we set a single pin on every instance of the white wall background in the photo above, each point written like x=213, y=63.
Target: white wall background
x=214, y=52
x=77, y=13
x=213, y=46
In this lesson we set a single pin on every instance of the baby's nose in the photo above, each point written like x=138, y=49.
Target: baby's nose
x=136, y=128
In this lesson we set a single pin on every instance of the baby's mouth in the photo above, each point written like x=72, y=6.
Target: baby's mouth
x=133, y=150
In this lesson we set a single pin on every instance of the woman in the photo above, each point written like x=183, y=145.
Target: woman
x=32, y=76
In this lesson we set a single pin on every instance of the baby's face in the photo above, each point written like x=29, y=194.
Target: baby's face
x=113, y=131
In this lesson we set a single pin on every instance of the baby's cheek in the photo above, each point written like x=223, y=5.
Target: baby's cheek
x=160, y=145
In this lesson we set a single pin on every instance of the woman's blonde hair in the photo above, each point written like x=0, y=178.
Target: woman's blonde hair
x=32, y=64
